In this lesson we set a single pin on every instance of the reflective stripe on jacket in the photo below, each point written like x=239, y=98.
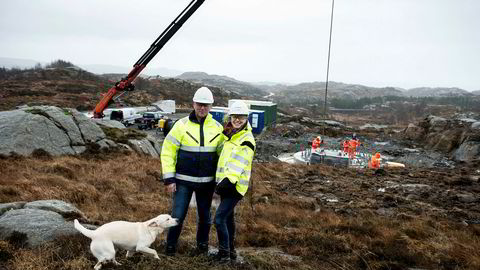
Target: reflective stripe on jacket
x=236, y=158
x=191, y=149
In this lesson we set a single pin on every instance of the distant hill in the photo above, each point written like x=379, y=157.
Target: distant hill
x=76, y=87
x=7, y=62
x=73, y=87
x=148, y=71
x=224, y=82
x=436, y=92
x=313, y=92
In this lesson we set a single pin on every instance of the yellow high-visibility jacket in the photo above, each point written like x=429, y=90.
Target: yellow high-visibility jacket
x=191, y=149
x=235, y=161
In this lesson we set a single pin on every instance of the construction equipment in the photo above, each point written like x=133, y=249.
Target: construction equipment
x=125, y=84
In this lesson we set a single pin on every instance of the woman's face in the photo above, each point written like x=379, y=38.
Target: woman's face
x=238, y=120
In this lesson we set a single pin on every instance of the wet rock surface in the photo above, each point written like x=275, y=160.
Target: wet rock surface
x=58, y=131
x=35, y=223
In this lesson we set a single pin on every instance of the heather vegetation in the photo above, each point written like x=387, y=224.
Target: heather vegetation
x=283, y=223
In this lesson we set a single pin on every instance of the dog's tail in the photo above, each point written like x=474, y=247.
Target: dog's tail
x=88, y=233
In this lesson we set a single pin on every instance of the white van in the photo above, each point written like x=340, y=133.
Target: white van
x=126, y=116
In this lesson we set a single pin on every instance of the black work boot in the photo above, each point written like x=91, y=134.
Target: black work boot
x=170, y=251
x=222, y=257
x=233, y=253
x=200, y=250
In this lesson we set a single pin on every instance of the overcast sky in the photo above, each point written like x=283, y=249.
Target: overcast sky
x=402, y=43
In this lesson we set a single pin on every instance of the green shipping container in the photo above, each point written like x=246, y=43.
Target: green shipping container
x=270, y=113
x=270, y=109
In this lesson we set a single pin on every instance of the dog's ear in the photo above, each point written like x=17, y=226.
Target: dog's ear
x=152, y=223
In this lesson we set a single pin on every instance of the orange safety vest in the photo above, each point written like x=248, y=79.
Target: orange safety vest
x=353, y=144
x=374, y=163
x=316, y=143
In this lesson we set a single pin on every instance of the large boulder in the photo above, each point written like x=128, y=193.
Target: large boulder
x=143, y=146
x=467, y=151
x=34, y=223
x=458, y=137
x=60, y=131
x=476, y=125
x=54, y=130
x=64, y=209
x=414, y=132
x=23, y=132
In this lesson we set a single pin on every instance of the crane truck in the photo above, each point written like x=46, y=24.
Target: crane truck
x=125, y=84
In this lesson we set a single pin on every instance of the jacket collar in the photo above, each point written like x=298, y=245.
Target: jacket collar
x=240, y=131
x=192, y=117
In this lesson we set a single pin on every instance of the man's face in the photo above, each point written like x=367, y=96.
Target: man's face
x=201, y=109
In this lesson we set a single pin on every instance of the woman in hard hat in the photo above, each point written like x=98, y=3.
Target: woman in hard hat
x=233, y=175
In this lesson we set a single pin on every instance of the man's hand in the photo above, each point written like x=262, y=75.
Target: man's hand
x=171, y=188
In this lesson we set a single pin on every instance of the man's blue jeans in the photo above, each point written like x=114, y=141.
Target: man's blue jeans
x=225, y=222
x=181, y=201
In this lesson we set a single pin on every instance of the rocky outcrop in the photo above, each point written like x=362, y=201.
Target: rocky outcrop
x=60, y=131
x=37, y=222
x=148, y=146
x=458, y=137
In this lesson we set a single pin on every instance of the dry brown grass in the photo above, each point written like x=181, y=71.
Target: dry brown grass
x=127, y=187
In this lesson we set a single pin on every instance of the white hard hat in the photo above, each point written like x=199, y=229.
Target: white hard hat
x=203, y=95
x=238, y=108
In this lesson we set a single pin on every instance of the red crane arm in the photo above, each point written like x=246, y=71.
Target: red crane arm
x=125, y=84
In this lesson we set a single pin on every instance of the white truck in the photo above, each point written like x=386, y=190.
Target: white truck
x=126, y=116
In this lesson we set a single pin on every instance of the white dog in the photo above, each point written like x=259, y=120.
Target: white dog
x=131, y=236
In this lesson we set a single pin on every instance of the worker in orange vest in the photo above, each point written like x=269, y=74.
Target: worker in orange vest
x=352, y=146
x=345, y=146
x=374, y=163
x=316, y=143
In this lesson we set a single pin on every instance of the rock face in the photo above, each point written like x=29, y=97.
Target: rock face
x=458, y=137
x=59, y=131
x=38, y=222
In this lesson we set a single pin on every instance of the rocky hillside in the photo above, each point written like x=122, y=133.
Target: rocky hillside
x=315, y=92
x=436, y=92
x=477, y=93
x=73, y=87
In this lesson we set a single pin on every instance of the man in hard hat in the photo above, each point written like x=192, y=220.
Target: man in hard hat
x=316, y=143
x=189, y=158
x=233, y=176
x=374, y=163
x=352, y=146
x=345, y=147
